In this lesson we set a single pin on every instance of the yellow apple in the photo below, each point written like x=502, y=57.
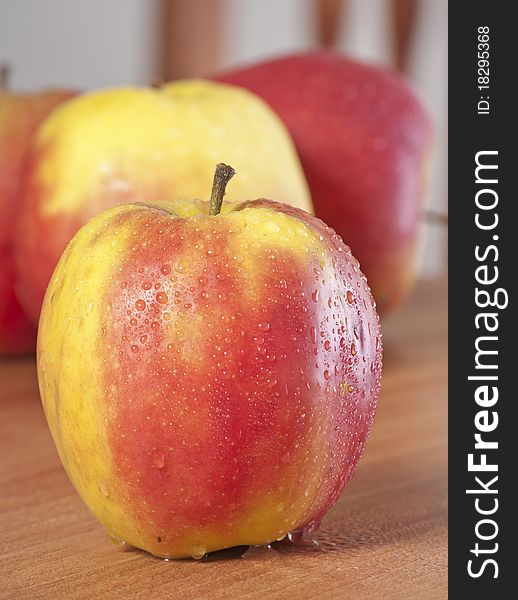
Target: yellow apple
x=145, y=145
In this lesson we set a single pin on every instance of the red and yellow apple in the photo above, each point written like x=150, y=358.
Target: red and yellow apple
x=20, y=116
x=364, y=142
x=125, y=145
x=209, y=380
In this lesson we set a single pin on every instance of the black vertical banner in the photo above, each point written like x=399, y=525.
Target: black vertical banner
x=483, y=268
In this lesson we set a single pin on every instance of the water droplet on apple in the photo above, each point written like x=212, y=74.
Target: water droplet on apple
x=312, y=527
x=271, y=227
x=344, y=388
x=157, y=459
x=198, y=552
x=140, y=305
x=134, y=348
x=350, y=297
x=327, y=375
x=313, y=334
x=327, y=345
x=165, y=269
x=295, y=536
x=315, y=295
x=147, y=285
x=353, y=349
x=103, y=488
x=162, y=298
x=116, y=541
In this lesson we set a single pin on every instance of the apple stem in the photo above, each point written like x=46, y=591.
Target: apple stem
x=222, y=176
x=4, y=77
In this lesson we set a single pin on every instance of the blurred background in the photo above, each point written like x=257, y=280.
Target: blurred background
x=388, y=538
x=133, y=42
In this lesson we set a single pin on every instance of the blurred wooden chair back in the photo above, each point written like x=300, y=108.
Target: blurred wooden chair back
x=191, y=32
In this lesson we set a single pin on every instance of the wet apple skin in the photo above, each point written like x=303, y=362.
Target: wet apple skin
x=221, y=373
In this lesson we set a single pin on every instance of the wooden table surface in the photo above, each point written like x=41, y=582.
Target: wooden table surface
x=386, y=538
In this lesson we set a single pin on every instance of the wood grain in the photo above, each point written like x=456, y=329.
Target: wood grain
x=386, y=538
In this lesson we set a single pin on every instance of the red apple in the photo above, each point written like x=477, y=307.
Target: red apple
x=20, y=116
x=364, y=140
x=17, y=334
x=232, y=372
